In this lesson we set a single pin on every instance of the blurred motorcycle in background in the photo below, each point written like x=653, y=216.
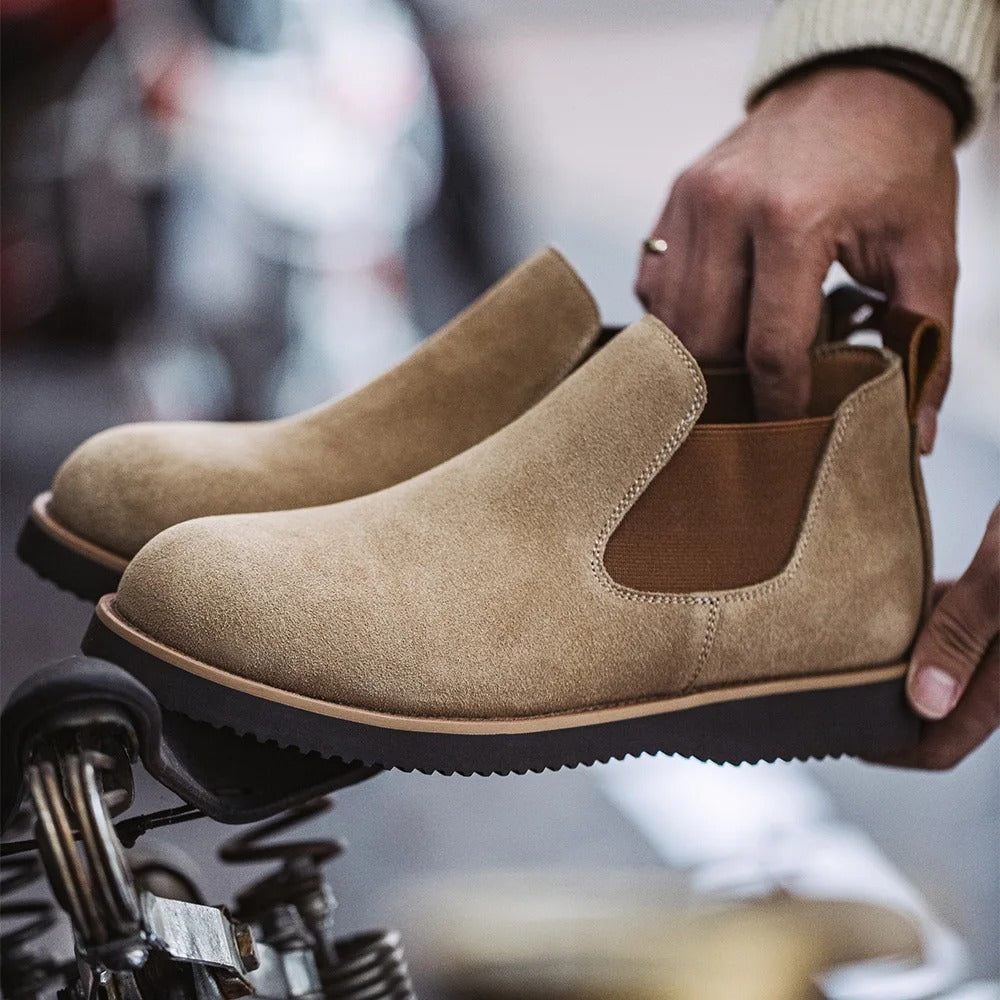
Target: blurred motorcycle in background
x=239, y=199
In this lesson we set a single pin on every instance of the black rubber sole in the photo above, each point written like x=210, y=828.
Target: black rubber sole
x=63, y=566
x=871, y=720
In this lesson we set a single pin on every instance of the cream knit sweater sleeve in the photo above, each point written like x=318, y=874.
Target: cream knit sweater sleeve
x=961, y=34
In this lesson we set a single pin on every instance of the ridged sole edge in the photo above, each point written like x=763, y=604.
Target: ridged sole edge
x=63, y=565
x=871, y=720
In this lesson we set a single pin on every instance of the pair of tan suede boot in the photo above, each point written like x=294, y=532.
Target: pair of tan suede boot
x=535, y=542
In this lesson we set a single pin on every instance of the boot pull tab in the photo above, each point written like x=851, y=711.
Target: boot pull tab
x=920, y=341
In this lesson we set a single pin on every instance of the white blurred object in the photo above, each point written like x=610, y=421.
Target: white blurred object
x=372, y=332
x=302, y=142
x=333, y=131
x=974, y=991
x=695, y=813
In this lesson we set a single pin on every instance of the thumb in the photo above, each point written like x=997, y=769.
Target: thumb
x=961, y=627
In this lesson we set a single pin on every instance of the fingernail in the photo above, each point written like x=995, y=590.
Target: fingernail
x=934, y=692
x=926, y=428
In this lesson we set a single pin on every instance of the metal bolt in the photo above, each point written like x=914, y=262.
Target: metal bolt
x=243, y=936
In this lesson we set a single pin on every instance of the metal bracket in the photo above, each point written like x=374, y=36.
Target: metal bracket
x=231, y=778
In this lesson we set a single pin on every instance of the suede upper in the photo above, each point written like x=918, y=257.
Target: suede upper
x=479, y=589
x=484, y=369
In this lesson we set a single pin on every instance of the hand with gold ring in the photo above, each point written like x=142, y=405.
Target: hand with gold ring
x=848, y=164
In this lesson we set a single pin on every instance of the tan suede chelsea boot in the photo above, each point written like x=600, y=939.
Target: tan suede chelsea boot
x=489, y=365
x=633, y=565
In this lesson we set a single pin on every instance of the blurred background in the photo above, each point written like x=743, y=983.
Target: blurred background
x=235, y=209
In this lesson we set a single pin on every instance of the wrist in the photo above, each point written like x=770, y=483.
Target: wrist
x=935, y=79
x=871, y=98
x=961, y=36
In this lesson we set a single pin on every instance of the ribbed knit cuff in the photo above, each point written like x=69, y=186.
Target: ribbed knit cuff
x=961, y=34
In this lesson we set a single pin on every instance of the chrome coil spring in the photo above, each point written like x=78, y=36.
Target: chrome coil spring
x=23, y=970
x=368, y=966
x=372, y=965
x=300, y=876
x=81, y=852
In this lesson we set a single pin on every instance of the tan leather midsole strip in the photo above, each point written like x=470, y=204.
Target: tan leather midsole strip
x=41, y=516
x=485, y=727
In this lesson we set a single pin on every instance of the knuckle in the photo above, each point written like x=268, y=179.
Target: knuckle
x=786, y=211
x=772, y=355
x=957, y=636
x=686, y=184
x=722, y=185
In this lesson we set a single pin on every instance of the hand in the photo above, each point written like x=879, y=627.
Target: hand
x=854, y=165
x=954, y=678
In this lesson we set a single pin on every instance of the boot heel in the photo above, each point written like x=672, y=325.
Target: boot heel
x=866, y=720
x=885, y=722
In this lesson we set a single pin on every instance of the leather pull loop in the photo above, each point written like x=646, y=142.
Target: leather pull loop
x=921, y=342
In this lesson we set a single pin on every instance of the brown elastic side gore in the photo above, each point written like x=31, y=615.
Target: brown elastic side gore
x=726, y=510
x=724, y=513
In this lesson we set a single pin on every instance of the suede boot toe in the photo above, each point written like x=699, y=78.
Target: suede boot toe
x=484, y=369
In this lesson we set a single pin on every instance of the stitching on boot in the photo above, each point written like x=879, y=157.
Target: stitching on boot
x=706, y=646
x=658, y=461
x=878, y=384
